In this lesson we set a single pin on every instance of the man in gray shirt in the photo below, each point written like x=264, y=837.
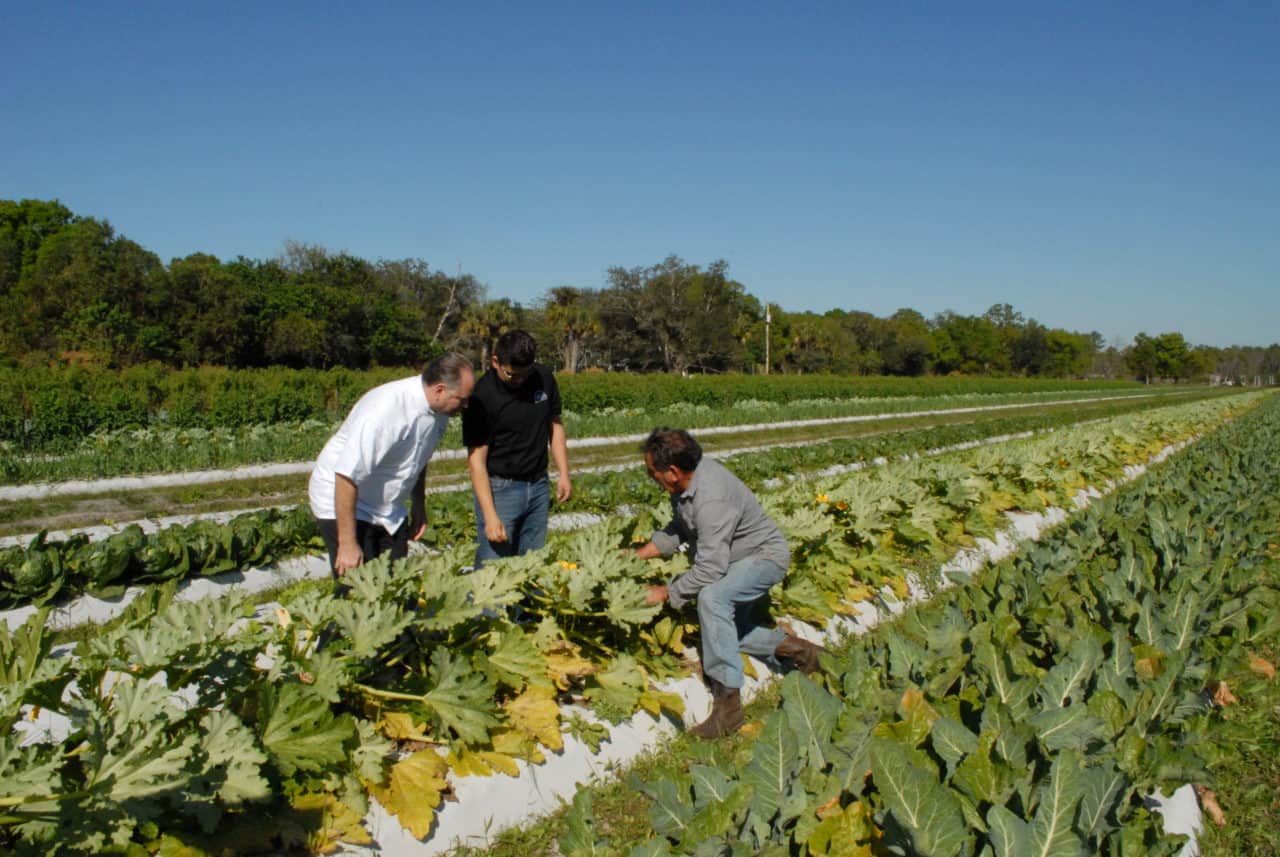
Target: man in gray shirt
x=737, y=554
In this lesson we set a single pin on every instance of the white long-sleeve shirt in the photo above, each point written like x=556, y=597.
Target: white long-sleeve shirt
x=382, y=446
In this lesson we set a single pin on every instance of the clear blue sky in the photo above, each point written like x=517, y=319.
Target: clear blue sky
x=1100, y=166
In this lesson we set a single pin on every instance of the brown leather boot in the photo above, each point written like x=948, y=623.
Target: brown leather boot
x=726, y=712
x=800, y=652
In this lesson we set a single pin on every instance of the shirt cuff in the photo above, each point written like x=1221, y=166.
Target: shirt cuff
x=665, y=543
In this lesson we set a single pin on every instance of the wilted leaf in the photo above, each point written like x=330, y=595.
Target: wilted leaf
x=1222, y=694
x=413, y=791
x=1262, y=666
x=535, y=713
x=1209, y=801
x=338, y=822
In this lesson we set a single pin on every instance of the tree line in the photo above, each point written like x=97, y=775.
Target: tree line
x=72, y=290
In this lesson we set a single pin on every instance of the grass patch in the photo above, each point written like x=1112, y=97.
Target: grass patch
x=622, y=811
x=1246, y=740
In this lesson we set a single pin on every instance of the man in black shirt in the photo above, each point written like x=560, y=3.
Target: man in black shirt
x=512, y=420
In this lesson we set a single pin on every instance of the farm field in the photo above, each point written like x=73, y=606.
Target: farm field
x=28, y=508
x=204, y=547
x=422, y=658
x=135, y=451
x=1028, y=710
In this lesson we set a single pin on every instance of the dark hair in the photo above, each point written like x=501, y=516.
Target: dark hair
x=516, y=348
x=446, y=369
x=668, y=446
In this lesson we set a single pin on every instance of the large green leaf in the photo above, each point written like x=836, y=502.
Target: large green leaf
x=579, y=838
x=1008, y=834
x=462, y=697
x=924, y=807
x=233, y=760
x=811, y=713
x=952, y=740
x=619, y=686
x=710, y=785
x=772, y=766
x=716, y=820
x=1071, y=677
x=368, y=626
x=299, y=729
x=1051, y=833
x=1072, y=727
x=1103, y=788
x=625, y=603
x=515, y=660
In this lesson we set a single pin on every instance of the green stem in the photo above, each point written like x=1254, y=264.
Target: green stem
x=388, y=694
x=22, y=801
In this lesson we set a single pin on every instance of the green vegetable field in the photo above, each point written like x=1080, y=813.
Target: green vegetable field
x=1028, y=708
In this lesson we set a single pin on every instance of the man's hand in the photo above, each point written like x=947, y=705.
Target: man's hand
x=494, y=531
x=417, y=522
x=564, y=488
x=657, y=595
x=349, y=556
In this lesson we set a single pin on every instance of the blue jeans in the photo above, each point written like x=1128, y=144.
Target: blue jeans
x=522, y=508
x=732, y=612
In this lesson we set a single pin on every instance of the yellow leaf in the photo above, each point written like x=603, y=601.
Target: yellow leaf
x=748, y=667
x=399, y=726
x=413, y=791
x=536, y=714
x=564, y=667
x=653, y=701
x=899, y=586
x=501, y=763
x=858, y=591
x=337, y=822
x=913, y=704
x=843, y=833
x=1148, y=668
x=830, y=808
x=752, y=729
x=481, y=763
x=517, y=744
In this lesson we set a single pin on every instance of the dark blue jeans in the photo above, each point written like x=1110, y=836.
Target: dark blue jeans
x=522, y=507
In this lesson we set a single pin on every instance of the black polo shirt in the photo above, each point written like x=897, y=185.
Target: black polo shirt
x=514, y=423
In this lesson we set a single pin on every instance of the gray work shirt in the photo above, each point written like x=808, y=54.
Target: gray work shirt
x=722, y=522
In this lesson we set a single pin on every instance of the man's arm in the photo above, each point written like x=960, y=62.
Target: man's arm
x=418, y=507
x=715, y=526
x=477, y=464
x=648, y=551
x=560, y=455
x=344, y=501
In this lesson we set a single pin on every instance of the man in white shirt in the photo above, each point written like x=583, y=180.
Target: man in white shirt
x=377, y=460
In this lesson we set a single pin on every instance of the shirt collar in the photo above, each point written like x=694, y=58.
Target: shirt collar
x=693, y=485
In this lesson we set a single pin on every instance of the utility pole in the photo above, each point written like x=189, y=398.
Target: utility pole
x=768, y=319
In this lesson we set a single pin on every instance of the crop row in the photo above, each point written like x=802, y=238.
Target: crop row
x=42, y=407
x=193, y=724
x=1029, y=712
x=167, y=449
x=50, y=571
